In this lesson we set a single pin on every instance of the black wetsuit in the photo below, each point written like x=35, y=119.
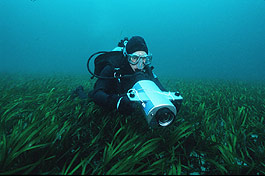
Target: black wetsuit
x=107, y=92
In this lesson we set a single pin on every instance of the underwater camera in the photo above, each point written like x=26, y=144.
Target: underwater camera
x=156, y=104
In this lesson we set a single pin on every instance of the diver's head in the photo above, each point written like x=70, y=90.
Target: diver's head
x=136, y=52
x=139, y=59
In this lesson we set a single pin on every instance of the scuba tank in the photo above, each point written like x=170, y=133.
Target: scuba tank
x=114, y=58
x=104, y=58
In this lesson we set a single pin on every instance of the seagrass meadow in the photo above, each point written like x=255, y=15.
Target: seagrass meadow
x=44, y=130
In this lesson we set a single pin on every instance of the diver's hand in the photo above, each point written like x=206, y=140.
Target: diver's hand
x=125, y=106
x=177, y=104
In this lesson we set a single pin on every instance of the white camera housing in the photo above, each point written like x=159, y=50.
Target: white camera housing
x=152, y=99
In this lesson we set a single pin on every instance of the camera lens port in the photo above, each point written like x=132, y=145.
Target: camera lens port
x=164, y=117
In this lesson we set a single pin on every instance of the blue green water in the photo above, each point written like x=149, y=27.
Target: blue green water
x=220, y=126
x=221, y=39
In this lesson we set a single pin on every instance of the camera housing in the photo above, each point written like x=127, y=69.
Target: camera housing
x=156, y=104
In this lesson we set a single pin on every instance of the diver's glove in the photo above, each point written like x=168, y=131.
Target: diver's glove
x=177, y=104
x=125, y=106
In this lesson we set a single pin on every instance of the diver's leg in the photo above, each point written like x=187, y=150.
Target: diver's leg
x=79, y=91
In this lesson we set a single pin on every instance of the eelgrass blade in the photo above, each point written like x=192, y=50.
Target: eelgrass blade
x=65, y=171
x=220, y=167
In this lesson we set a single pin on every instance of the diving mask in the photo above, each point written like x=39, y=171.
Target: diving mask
x=134, y=59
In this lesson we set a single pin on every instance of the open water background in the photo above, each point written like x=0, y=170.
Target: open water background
x=216, y=39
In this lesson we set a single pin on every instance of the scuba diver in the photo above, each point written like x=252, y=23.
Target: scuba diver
x=124, y=66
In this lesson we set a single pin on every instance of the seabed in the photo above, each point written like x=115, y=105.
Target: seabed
x=220, y=129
